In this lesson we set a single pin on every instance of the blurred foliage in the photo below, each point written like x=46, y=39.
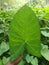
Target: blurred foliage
x=12, y=4
x=5, y=19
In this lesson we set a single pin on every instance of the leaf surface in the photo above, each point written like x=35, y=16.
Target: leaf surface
x=25, y=33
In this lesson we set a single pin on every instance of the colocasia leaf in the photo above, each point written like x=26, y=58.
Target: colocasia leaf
x=24, y=33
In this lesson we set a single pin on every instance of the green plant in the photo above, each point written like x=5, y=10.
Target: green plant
x=23, y=34
x=5, y=19
x=29, y=58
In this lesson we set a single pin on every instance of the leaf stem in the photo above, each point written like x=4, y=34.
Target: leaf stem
x=15, y=62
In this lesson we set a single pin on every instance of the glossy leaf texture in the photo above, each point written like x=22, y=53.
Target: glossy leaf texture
x=24, y=33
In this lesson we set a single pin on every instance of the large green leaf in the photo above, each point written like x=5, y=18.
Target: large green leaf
x=25, y=33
